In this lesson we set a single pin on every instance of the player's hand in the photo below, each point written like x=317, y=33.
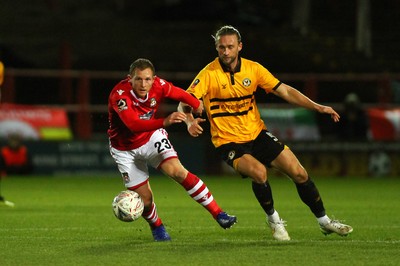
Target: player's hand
x=329, y=110
x=199, y=110
x=175, y=117
x=194, y=128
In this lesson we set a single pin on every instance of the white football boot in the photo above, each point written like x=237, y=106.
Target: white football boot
x=334, y=226
x=278, y=230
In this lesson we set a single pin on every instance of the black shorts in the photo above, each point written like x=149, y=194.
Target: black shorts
x=265, y=148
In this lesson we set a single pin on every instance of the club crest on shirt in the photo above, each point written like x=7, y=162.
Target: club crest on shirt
x=246, y=82
x=121, y=103
x=197, y=81
x=153, y=102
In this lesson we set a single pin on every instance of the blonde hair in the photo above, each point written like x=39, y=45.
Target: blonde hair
x=227, y=30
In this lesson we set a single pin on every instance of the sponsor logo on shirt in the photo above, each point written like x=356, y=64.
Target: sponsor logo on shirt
x=147, y=116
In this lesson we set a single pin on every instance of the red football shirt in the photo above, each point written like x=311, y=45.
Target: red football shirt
x=132, y=120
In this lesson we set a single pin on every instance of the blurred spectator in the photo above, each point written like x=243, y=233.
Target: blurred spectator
x=353, y=120
x=15, y=158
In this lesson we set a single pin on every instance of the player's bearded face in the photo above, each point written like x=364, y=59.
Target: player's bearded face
x=141, y=81
x=228, y=48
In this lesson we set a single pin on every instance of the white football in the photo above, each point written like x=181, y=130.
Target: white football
x=128, y=206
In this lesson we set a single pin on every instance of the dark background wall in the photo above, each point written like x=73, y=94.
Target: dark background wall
x=176, y=35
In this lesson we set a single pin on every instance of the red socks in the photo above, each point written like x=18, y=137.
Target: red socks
x=200, y=193
x=152, y=217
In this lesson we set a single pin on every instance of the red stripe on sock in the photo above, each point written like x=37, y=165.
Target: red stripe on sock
x=191, y=181
x=152, y=217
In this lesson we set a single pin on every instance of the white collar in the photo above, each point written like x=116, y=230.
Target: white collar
x=140, y=99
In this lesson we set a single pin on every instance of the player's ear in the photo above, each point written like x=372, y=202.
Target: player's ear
x=240, y=46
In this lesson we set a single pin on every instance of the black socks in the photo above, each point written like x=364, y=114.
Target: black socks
x=309, y=194
x=263, y=194
x=307, y=191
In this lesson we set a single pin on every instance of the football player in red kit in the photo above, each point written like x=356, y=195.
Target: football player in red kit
x=138, y=139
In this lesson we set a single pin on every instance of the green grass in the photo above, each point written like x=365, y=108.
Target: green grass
x=69, y=221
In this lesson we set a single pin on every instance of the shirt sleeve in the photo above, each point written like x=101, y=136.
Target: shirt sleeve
x=179, y=94
x=267, y=81
x=139, y=125
x=128, y=115
x=199, y=86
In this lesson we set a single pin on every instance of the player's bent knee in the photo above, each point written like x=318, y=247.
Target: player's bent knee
x=174, y=169
x=259, y=175
x=299, y=175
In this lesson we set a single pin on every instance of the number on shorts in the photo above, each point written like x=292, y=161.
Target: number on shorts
x=271, y=136
x=162, y=145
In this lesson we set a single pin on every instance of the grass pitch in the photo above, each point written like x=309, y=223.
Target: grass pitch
x=69, y=221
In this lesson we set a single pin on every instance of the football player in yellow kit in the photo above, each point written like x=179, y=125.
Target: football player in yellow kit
x=227, y=88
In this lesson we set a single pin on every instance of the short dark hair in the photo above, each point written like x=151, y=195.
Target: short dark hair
x=227, y=30
x=141, y=63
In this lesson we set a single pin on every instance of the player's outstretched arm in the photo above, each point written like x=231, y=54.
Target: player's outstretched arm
x=193, y=124
x=294, y=96
x=330, y=111
x=174, y=118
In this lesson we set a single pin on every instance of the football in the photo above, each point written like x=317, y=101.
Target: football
x=128, y=206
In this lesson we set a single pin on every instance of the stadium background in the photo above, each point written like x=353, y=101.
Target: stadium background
x=68, y=55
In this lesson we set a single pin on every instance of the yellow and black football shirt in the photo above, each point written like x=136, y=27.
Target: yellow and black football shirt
x=229, y=99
